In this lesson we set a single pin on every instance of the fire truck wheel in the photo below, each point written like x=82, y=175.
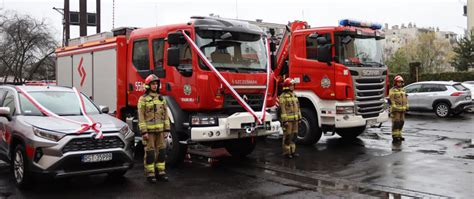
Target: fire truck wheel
x=175, y=151
x=350, y=133
x=309, y=131
x=240, y=147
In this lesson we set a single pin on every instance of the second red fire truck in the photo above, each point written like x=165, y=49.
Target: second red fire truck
x=341, y=78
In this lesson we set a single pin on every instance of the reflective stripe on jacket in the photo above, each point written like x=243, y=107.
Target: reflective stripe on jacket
x=289, y=106
x=153, y=113
x=398, y=99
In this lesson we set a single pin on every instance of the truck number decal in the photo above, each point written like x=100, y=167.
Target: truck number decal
x=139, y=86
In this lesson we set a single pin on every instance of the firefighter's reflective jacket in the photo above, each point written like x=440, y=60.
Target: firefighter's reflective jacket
x=398, y=100
x=289, y=107
x=152, y=113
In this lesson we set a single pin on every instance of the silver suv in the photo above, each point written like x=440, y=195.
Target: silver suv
x=34, y=143
x=442, y=97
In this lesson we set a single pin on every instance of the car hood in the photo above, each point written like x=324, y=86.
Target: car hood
x=108, y=122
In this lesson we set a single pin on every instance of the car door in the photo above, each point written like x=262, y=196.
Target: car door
x=412, y=92
x=425, y=95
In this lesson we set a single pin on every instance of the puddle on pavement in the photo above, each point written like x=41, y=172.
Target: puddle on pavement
x=435, y=152
x=327, y=186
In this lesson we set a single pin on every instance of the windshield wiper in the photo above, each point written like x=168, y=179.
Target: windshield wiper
x=254, y=69
x=374, y=63
x=355, y=63
x=228, y=69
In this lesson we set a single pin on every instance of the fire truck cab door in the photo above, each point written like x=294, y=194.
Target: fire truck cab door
x=180, y=81
x=309, y=73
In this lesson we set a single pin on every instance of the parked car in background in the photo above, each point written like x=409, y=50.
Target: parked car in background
x=470, y=86
x=443, y=97
x=34, y=143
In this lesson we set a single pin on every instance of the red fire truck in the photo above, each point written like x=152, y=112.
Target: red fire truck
x=111, y=67
x=341, y=78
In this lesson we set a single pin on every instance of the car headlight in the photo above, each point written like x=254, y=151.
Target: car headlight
x=344, y=109
x=204, y=121
x=125, y=131
x=49, y=135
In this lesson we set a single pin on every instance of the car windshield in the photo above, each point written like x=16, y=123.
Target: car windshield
x=362, y=51
x=63, y=103
x=234, y=51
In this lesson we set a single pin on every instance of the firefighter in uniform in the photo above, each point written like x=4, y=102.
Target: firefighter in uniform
x=398, y=107
x=290, y=116
x=154, y=124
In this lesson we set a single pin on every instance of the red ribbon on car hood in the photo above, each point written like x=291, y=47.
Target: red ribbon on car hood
x=228, y=86
x=90, y=125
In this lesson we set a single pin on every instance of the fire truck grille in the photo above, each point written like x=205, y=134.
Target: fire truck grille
x=87, y=144
x=254, y=100
x=370, y=92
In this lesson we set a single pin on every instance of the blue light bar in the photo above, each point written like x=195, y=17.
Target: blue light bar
x=350, y=22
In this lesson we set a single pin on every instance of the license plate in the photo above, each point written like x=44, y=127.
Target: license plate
x=468, y=98
x=371, y=122
x=101, y=157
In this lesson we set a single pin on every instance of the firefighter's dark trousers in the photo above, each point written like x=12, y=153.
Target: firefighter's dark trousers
x=155, y=153
x=398, y=119
x=290, y=131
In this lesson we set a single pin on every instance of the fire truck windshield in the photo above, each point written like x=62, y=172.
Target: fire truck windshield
x=233, y=51
x=361, y=51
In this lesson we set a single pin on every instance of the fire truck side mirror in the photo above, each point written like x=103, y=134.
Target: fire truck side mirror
x=173, y=56
x=175, y=38
x=324, y=53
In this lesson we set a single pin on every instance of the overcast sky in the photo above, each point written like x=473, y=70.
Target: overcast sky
x=445, y=14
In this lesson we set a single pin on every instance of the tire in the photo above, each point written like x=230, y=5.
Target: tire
x=442, y=110
x=309, y=121
x=175, y=151
x=240, y=147
x=350, y=133
x=20, y=168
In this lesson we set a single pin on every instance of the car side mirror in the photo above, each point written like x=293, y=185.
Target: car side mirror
x=5, y=112
x=104, y=109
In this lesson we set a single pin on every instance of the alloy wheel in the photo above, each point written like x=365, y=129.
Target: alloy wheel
x=18, y=167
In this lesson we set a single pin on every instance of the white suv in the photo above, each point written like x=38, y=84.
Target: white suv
x=38, y=144
x=442, y=97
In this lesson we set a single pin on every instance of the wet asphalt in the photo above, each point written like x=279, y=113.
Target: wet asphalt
x=435, y=161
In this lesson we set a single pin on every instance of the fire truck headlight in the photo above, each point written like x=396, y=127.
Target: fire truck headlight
x=204, y=121
x=344, y=109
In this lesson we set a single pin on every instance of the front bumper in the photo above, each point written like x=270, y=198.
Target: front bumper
x=72, y=165
x=352, y=120
x=57, y=162
x=237, y=125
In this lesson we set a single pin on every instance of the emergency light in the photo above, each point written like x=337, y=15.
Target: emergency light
x=362, y=24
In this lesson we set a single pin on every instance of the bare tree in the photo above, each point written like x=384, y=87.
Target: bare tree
x=26, y=45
